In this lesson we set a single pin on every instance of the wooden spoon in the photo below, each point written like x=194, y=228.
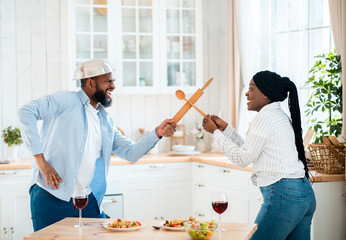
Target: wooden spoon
x=181, y=95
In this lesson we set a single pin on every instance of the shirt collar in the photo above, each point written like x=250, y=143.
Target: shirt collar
x=84, y=97
x=271, y=106
x=86, y=101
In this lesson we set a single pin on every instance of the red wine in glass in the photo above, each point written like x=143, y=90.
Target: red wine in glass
x=220, y=206
x=80, y=202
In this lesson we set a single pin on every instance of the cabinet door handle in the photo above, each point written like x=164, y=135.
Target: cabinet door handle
x=5, y=234
x=157, y=166
x=200, y=215
x=12, y=233
x=200, y=185
x=110, y=201
x=8, y=173
x=155, y=218
x=200, y=166
x=226, y=171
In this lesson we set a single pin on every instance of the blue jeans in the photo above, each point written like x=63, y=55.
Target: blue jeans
x=47, y=209
x=287, y=210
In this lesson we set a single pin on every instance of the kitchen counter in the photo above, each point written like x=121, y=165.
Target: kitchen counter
x=215, y=159
x=93, y=230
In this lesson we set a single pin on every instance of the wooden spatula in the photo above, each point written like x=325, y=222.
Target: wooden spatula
x=326, y=141
x=308, y=137
x=334, y=140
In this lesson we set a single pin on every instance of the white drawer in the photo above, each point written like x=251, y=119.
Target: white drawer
x=161, y=171
x=233, y=179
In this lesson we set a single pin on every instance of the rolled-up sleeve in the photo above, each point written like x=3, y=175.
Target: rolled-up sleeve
x=240, y=152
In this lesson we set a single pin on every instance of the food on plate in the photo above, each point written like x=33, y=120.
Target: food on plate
x=174, y=223
x=200, y=230
x=119, y=223
x=178, y=223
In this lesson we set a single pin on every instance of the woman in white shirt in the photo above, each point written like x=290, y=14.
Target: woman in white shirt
x=274, y=146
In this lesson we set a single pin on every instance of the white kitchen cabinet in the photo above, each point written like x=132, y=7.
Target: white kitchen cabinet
x=157, y=191
x=175, y=190
x=158, y=200
x=202, y=200
x=15, y=216
x=244, y=200
x=329, y=220
x=155, y=46
x=140, y=201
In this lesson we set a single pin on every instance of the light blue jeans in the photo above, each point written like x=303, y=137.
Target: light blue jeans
x=287, y=210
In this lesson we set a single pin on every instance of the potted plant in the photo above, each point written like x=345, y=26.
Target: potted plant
x=325, y=103
x=13, y=139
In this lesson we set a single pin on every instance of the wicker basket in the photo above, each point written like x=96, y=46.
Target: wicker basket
x=328, y=158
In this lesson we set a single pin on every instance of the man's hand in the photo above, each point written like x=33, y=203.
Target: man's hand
x=221, y=124
x=208, y=124
x=48, y=171
x=166, y=128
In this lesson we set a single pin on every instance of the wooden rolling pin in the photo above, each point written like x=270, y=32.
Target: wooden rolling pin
x=193, y=100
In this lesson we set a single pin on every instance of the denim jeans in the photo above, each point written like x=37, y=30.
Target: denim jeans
x=287, y=210
x=47, y=209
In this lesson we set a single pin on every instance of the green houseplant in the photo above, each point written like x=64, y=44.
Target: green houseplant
x=12, y=136
x=325, y=103
x=13, y=139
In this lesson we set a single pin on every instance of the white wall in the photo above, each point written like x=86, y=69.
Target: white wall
x=31, y=66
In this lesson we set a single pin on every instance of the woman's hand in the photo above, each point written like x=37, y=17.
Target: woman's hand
x=48, y=171
x=208, y=124
x=221, y=124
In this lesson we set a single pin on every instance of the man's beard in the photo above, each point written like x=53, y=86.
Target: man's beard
x=100, y=97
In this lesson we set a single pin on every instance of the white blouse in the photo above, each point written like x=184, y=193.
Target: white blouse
x=269, y=146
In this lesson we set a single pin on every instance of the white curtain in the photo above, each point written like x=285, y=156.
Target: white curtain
x=337, y=9
x=234, y=65
x=253, y=17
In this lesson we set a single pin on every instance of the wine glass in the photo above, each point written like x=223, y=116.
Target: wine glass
x=80, y=200
x=220, y=204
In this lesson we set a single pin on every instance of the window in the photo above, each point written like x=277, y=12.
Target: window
x=282, y=36
x=154, y=45
x=300, y=30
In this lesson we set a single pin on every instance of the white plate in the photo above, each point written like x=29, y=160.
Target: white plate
x=184, y=153
x=105, y=225
x=172, y=228
x=183, y=148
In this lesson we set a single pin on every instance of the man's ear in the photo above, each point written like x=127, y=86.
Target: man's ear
x=89, y=82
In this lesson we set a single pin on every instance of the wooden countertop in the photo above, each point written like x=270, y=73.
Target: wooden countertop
x=93, y=230
x=215, y=159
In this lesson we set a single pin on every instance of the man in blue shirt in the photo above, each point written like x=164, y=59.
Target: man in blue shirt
x=75, y=145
